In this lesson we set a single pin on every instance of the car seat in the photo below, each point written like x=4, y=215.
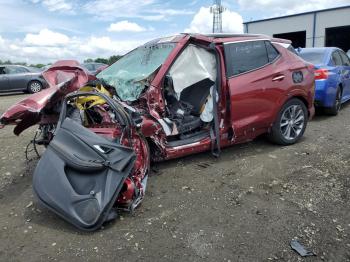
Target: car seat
x=185, y=112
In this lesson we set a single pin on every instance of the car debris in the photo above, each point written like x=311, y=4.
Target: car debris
x=166, y=99
x=295, y=245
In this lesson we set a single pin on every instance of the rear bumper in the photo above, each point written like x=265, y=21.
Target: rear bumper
x=324, y=93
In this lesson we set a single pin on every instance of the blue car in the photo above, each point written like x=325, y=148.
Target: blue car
x=332, y=76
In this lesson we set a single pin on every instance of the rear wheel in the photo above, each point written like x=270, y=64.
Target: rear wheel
x=290, y=124
x=334, y=110
x=34, y=87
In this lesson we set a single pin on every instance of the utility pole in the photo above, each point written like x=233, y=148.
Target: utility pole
x=217, y=9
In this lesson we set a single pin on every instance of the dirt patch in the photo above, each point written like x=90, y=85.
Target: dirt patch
x=245, y=206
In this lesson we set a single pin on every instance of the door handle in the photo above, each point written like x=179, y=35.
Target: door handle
x=278, y=78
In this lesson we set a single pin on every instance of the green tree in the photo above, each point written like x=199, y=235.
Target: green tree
x=101, y=60
x=114, y=58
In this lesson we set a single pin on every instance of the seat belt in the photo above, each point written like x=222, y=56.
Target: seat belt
x=215, y=130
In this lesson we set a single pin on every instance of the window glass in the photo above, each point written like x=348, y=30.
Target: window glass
x=245, y=56
x=33, y=69
x=344, y=58
x=291, y=48
x=336, y=59
x=16, y=70
x=127, y=74
x=272, y=53
x=315, y=57
x=89, y=67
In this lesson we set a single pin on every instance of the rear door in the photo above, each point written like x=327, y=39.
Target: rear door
x=255, y=73
x=345, y=74
x=4, y=81
x=18, y=77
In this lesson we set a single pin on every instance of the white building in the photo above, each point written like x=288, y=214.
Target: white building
x=328, y=27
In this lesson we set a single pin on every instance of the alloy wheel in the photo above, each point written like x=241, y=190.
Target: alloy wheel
x=35, y=87
x=292, y=122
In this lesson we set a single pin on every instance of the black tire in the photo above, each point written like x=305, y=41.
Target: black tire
x=334, y=110
x=34, y=87
x=288, y=130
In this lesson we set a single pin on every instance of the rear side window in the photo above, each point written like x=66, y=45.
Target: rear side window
x=344, y=58
x=336, y=59
x=272, y=53
x=291, y=48
x=247, y=56
x=17, y=70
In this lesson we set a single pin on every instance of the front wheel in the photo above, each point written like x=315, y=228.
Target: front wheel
x=290, y=124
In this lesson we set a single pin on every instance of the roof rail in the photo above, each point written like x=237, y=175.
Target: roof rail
x=227, y=35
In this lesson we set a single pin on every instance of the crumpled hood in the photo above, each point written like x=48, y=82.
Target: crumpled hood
x=63, y=77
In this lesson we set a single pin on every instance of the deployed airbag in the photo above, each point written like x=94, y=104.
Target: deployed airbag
x=193, y=65
x=81, y=174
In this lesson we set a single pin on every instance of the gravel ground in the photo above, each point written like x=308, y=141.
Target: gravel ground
x=245, y=206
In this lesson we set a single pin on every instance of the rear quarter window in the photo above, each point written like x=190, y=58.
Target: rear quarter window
x=344, y=58
x=243, y=57
x=336, y=59
x=272, y=53
x=17, y=70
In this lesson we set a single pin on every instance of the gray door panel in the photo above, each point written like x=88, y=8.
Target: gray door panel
x=18, y=81
x=4, y=83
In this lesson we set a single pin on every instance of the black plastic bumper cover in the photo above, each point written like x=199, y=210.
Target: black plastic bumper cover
x=80, y=175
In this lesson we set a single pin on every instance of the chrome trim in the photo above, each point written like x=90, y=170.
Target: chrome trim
x=188, y=145
x=278, y=78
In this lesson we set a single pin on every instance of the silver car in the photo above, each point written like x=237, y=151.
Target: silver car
x=21, y=78
x=93, y=67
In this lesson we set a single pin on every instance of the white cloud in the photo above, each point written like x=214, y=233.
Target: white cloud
x=46, y=37
x=289, y=7
x=120, y=8
x=125, y=26
x=105, y=46
x=18, y=50
x=144, y=9
x=172, y=12
x=55, y=5
x=202, y=22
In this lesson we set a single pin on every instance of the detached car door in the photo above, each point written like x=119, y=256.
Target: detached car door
x=254, y=71
x=4, y=81
x=81, y=174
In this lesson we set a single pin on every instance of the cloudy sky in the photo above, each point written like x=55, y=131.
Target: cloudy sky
x=42, y=31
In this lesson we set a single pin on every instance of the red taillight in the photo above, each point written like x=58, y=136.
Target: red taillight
x=321, y=74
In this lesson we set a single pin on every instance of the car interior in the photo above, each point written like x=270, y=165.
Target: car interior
x=188, y=97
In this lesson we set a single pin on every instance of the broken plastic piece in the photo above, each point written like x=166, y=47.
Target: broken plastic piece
x=300, y=249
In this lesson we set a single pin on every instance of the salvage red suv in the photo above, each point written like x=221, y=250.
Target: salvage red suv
x=168, y=98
